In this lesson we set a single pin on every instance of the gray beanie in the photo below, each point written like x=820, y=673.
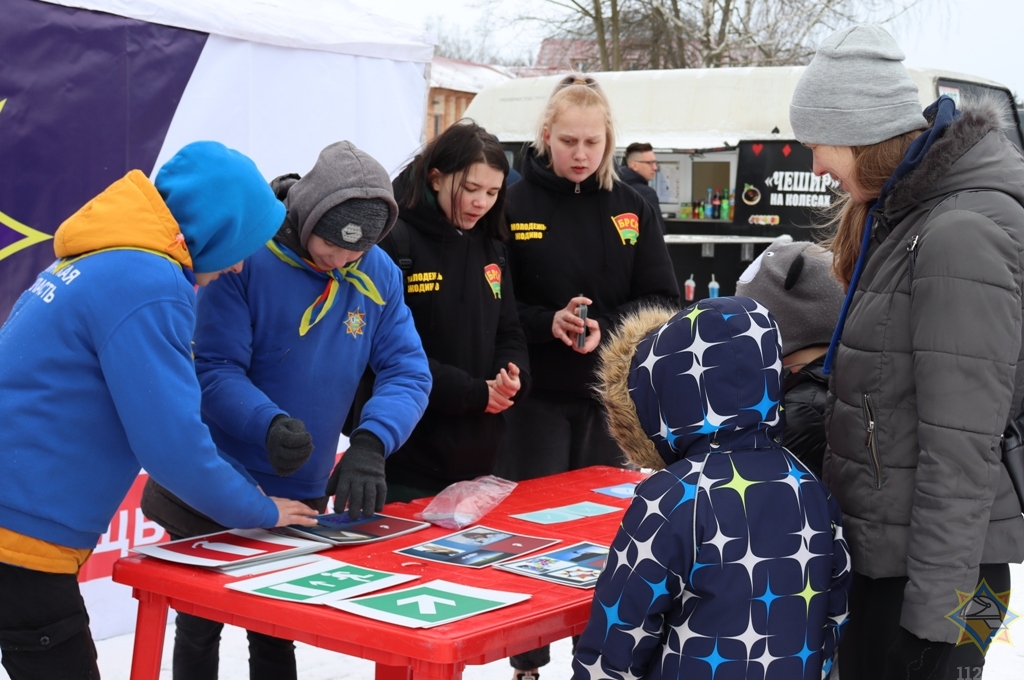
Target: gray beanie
x=356, y=224
x=794, y=281
x=855, y=91
x=351, y=181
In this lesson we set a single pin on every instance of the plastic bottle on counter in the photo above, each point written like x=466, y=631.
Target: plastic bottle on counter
x=732, y=204
x=726, y=207
x=713, y=287
x=716, y=205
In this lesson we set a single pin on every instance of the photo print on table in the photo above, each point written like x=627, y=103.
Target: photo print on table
x=576, y=565
x=477, y=547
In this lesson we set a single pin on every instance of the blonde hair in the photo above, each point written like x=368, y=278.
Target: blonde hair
x=873, y=165
x=581, y=91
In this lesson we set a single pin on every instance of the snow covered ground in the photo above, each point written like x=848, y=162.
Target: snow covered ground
x=1005, y=662
x=313, y=663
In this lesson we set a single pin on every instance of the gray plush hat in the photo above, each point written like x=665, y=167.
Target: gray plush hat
x=794, y=281
x=855, y=91
x=348, y=189
x=356, y=224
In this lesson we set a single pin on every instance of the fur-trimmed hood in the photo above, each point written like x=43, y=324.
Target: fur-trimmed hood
x=961, y=159
x=703, y=380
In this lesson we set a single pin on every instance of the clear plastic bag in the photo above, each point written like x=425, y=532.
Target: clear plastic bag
x=464, y=503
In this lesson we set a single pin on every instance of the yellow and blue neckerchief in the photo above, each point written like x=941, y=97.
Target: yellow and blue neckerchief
x=323, y=304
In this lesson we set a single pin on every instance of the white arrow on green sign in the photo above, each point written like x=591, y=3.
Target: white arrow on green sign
x=430, y=604
x=320, y=581
x=426, y=603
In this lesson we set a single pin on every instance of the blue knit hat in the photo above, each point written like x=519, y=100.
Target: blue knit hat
x=224, y=207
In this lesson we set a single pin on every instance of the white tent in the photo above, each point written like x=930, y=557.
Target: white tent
x=281, y=79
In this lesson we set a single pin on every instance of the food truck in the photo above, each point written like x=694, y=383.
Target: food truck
x=732, y=178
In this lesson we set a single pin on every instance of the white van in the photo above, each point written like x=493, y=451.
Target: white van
x=722, y=131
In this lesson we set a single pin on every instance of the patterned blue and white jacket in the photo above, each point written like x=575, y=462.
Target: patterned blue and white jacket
x=730, y=563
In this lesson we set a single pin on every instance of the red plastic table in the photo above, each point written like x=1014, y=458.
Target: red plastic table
x=553, y=612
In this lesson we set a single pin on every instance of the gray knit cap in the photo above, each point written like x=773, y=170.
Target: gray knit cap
x=794, y=281
x=855, y=91
x=351, y=181
x=356, y=224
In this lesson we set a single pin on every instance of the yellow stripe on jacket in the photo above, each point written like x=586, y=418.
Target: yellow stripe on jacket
x=38, y=555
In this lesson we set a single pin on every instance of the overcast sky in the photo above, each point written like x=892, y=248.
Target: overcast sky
x=976, y=37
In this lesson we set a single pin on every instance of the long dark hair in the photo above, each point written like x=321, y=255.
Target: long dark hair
x=453, y=152
x=872, y=167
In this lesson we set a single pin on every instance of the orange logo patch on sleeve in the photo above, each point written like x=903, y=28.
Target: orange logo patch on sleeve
x=492, y=273
x=628, y=226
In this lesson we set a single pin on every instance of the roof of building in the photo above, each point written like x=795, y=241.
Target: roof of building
x=465, y=76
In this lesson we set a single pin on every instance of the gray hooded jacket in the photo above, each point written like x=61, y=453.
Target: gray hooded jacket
x=929, y=372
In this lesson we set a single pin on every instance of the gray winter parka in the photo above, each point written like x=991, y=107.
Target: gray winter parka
x=928, y=373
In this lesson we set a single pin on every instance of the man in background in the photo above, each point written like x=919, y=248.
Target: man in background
x=639, y=166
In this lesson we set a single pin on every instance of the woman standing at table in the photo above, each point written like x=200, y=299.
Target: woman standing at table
x=926, y=359
x=449, y=242
x=580, y=237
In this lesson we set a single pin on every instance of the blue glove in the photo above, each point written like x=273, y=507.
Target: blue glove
x=358, y=478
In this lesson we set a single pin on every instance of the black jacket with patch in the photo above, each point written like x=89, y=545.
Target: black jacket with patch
x=574, y=239
x=458, y=286
x=632, y=178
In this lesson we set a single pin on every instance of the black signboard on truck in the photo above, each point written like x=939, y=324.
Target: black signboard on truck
x=775, y=186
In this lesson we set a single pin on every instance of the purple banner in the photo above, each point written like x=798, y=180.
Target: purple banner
x=84, y=98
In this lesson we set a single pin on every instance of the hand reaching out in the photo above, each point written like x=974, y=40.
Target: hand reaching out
x=294, y=512
x=502, y=389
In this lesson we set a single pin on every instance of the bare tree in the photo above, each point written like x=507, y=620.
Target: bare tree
x=454, y=44
x=711, y=33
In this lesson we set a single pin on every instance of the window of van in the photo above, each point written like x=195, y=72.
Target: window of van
x=959, y=89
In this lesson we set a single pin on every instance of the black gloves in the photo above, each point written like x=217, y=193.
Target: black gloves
x=911, y=658
x=358, y=478
x=288, y=444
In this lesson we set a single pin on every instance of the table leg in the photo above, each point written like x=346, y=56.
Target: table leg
x=392, y=672
x=150, y=626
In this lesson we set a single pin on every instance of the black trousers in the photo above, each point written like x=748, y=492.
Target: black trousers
x=874, y=625
x=196, y=654
x=44, y=628
x=547, y=435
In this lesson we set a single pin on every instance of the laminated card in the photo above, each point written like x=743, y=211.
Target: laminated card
x=338, y=529
x=428, y=605
x=229, y=549
x=477, y=547
x=319, y=582
x=576, y=565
